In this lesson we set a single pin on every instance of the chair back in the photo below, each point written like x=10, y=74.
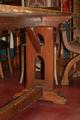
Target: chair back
x=69, y=45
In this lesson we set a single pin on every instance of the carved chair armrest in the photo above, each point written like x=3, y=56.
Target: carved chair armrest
x=67, y=29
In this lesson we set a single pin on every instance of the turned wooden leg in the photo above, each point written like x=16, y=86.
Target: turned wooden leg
x=65, y=80
x=1, y=71
x=9, y=60
x=55, y=66
x=22, y=65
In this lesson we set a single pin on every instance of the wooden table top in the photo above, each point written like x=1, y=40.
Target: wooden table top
x=15, y=17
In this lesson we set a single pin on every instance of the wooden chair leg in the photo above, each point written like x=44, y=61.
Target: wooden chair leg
x=1, y=71
x=55, y=66
x=9, y=60
x=22, y=65
x=72, y=62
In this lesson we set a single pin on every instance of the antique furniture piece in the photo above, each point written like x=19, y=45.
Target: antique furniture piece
x=17, y=17
x=13, y=17
x=5, y=53
x=72, y=46
x=46, y=55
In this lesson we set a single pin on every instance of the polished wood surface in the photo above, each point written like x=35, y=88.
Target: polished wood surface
x=34, y=39
x=14, y=17
x=7, y=9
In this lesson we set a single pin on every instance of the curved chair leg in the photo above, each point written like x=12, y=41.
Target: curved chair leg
x=1, y=71
x=65, y=80
x=22, y=65
x=55, y=66
x=9, y=60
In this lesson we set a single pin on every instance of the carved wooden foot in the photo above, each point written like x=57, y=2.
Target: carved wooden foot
x=65, y=80
x=53, y=97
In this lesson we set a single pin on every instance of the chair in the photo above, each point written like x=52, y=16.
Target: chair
x=72, y=46
x=4, y=46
